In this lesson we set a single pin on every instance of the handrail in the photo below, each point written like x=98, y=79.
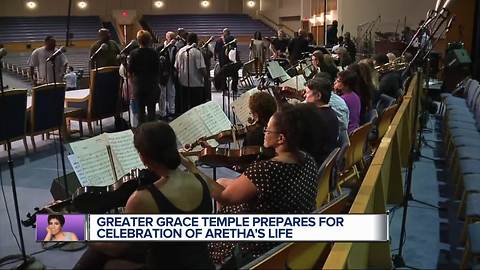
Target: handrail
x=275, y=24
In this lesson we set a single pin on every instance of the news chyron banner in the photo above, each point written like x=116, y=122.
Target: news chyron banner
x=290, y=228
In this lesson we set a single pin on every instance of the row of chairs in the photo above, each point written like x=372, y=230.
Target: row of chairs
x=461, y=129
x=312, y=255
x=50, y=111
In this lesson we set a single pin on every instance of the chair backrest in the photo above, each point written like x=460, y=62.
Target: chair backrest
x=358, y=139
x=48, y=103
x=325, y=177
x=472, y=94
x=385, y=120
x=104, y=92
x=384, y=101
x=13, y=105
x=249, y=67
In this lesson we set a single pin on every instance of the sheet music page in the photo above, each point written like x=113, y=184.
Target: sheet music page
x=86, y=145
x=189, y=127
x=213, y=117
x=276, y=71
x=96, y=166
x=77, y=168
x=297, y=82
x=240, y=106
x=124, y=153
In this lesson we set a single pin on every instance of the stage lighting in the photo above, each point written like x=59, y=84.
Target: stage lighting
x=158, y=4
x=82, y=4
x=31, y=4
x=205, y=3
x=251, y=4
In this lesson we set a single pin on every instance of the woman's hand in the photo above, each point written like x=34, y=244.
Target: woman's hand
x=48, y=237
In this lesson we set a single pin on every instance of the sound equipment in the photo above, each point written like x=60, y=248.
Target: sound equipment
x=57, y=189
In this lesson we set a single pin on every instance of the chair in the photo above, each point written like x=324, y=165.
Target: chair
x=354, y=154
x=13, y=106
x=383, y=123
x=103, y=100
x=247, y=82
x=46, y=113
x=325, y=178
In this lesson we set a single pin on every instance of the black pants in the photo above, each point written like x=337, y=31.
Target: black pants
x=228, y=70
x=149, y=104
x=193, y=96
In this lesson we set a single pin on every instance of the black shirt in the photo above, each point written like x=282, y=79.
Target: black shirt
x=144, y=64
x=327, y=119
x=390, y=84
x=296, y=47
x=280, y=44
x=254, y=136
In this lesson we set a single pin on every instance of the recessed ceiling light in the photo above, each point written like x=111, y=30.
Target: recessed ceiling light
x=82, y=4
x=158, y=4
x=31, y=4
x=251, y=4
x=205, y=3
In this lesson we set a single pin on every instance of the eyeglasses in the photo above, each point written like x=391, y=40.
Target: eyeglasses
x=265, y=130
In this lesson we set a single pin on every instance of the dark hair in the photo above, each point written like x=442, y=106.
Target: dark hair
x=364, y=87
x=48, y=38
x=322, y=86
x=381, y=59
x=348, y=78
x=299, y=124
x=263, y=104
x=60, y=219
x=257, y=35
x=323, y=75
x=192, y=38
x=319, y=55
x=157, y=142
x=70, y=68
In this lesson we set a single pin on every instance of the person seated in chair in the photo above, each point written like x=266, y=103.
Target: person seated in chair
x=172, y=192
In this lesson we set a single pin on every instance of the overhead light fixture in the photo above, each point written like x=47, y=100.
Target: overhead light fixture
x=31, y=4
x=251, y=4
x=82, y=4
x=205, y=3
x=158, y=4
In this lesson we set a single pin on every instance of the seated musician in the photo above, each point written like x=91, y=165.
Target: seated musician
x=318, y=91
x=262, y=106
x=285, y=184
x=175, y=192
x=320, y=65
x=390, y=81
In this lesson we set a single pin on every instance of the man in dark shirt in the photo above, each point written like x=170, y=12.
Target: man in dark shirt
x=332, y=32
x=350, y=46
x=318, y=92
x=297, y=46
x=219, y=51
x=279, y=45
x=390, y=81
x=144, y=66
x=106, y=57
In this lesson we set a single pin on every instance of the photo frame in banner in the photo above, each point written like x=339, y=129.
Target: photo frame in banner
x=61, y=228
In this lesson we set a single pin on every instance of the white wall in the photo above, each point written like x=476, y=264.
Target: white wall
x=351, y=13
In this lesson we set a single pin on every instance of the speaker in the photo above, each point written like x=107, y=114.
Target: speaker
x=457, y=57
x=457, y=67
x=57, y=188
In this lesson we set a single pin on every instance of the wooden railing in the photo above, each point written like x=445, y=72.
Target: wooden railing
x=382, y=185
x=276, y=25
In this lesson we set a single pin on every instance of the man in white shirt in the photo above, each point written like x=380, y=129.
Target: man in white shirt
x=192, y=72
x=70, y=79
x=38, y=60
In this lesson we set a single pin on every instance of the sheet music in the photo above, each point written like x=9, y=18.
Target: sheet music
x=124, y=152
x=188, y=127
x=240, y=106
x=213, y=116
x=77, y=168
x=276, y=71
x=86, y=145
x=297, y=82
x=96, y=166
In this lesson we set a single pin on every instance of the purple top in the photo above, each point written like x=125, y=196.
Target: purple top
x=354, y=107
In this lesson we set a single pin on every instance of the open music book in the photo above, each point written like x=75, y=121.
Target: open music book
x=297, y=82
x=201, y=121
x=277, y=71
x=240, y=106
x=102, y=160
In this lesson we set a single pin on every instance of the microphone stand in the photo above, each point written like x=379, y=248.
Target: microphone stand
x=26, y=260
x=125, y=64
x=60, y=137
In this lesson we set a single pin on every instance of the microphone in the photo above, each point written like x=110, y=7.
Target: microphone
x=170, y=44
x=56, y=53
x=448, y=4
x=208, y=41
x=449, y=25
x=133, y=44
x=3, y=52
x=437, y=6
x=103, y=47
x=230, y=43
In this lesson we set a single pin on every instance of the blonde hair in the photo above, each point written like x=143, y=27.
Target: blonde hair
x=144, y=38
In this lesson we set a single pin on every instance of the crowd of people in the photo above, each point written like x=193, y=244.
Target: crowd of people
x=339, y=96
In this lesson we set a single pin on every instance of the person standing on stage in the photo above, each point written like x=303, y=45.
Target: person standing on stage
x=350, y=46
x=258, y=51
x=332, y=32
x=192, y=72
x=45, y=70
x=279, y=45
x=167, y=76
x=144, y=67
x=106, y=57
x=297, y=46
x=219, y=52
x=181, y=38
